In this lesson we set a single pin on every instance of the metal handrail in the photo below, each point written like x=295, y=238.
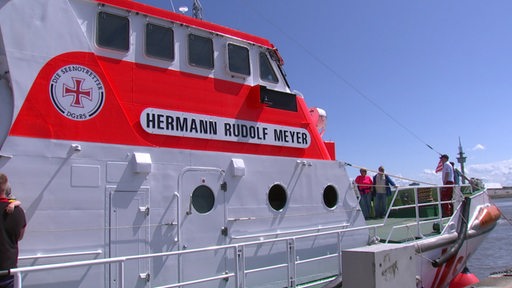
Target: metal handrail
x=417, y=205
x=343, y=225
x=45, y=256
x=240, y=269
x=238, y=249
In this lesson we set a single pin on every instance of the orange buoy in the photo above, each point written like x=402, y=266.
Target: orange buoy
x=464, y=279
x=487, y=215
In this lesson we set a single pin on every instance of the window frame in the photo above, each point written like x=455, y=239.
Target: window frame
x=172, y=44
x=189, y=52
x=269, y=62
x=99, y=40
x=248, y=58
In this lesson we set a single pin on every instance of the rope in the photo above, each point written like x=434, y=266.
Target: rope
x=343, y=79
x=394, y=176
x=509, y=221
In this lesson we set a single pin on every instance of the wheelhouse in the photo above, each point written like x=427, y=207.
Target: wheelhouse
x=169, y=44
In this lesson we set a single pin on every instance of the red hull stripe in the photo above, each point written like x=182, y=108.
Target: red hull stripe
x=130, y=88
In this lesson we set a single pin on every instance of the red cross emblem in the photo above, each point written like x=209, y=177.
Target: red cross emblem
x=77, y=92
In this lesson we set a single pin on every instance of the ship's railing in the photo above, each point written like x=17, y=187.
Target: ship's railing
x=56, y=255
x=239, y=272
x=414, y=199
x=424, y=205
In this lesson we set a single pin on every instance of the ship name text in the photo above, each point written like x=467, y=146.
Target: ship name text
x=174, y=123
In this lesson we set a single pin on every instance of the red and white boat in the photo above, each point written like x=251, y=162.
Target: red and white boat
x=152, y=149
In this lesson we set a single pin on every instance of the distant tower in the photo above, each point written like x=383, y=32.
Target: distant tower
x=461, y=159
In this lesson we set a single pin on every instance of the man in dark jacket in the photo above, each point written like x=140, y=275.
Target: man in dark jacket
x=12, y=228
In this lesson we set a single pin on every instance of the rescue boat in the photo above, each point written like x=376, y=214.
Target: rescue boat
x=153, y=149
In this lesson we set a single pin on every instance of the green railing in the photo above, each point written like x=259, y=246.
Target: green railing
x=416, y=211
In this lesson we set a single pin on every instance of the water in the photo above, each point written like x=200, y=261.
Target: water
x=494, y=253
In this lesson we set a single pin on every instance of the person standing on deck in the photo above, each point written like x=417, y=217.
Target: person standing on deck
x=446, y=192
x=12, y=200
x=12, y=228
x=364, y=185
x=456, y=174
x=382, y=185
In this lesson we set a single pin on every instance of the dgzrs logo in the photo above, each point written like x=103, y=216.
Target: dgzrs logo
x=77, y=92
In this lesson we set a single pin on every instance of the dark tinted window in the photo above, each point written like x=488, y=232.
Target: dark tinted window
x=330, y=196
x=266, y=71
x=277, y=197
x=238, y=58
x=200, y=51
x=203, y=199
x=159, y=42
x=113, y=31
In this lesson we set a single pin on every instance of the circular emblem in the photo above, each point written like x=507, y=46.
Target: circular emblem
x=77, y=92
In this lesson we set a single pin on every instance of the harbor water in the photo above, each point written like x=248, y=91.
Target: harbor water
x=494, y=253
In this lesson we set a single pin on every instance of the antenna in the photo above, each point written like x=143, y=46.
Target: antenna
x=197, y=9
x=461, y=159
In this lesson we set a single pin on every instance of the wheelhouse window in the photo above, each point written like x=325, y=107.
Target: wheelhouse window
x=238, y=58
x=200, y=51
x=113, y=31
x=267, y=73
x=159, y=42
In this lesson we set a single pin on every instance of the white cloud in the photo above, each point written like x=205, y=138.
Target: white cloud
x=478, y=147
x=497, y=172
x=429, y=176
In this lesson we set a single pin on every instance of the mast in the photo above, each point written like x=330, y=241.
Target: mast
x=461, y=159
x=197, y=9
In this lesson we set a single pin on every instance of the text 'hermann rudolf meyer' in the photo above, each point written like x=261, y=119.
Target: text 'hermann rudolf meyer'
x=173, y=123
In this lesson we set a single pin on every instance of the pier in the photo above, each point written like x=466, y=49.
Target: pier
x=500, y=192
x=501, y=280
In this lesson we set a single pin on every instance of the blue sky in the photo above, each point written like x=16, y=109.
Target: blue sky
x=394, y=76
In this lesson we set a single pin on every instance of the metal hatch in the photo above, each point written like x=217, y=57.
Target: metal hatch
x=129, y=234
x=202, y=222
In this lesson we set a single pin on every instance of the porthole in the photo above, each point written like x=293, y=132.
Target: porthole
x=277, y=197
x=203, y=199
x=330, y=196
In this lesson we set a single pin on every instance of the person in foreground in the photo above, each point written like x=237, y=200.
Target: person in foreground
x=13, y=202
x=12, y=228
